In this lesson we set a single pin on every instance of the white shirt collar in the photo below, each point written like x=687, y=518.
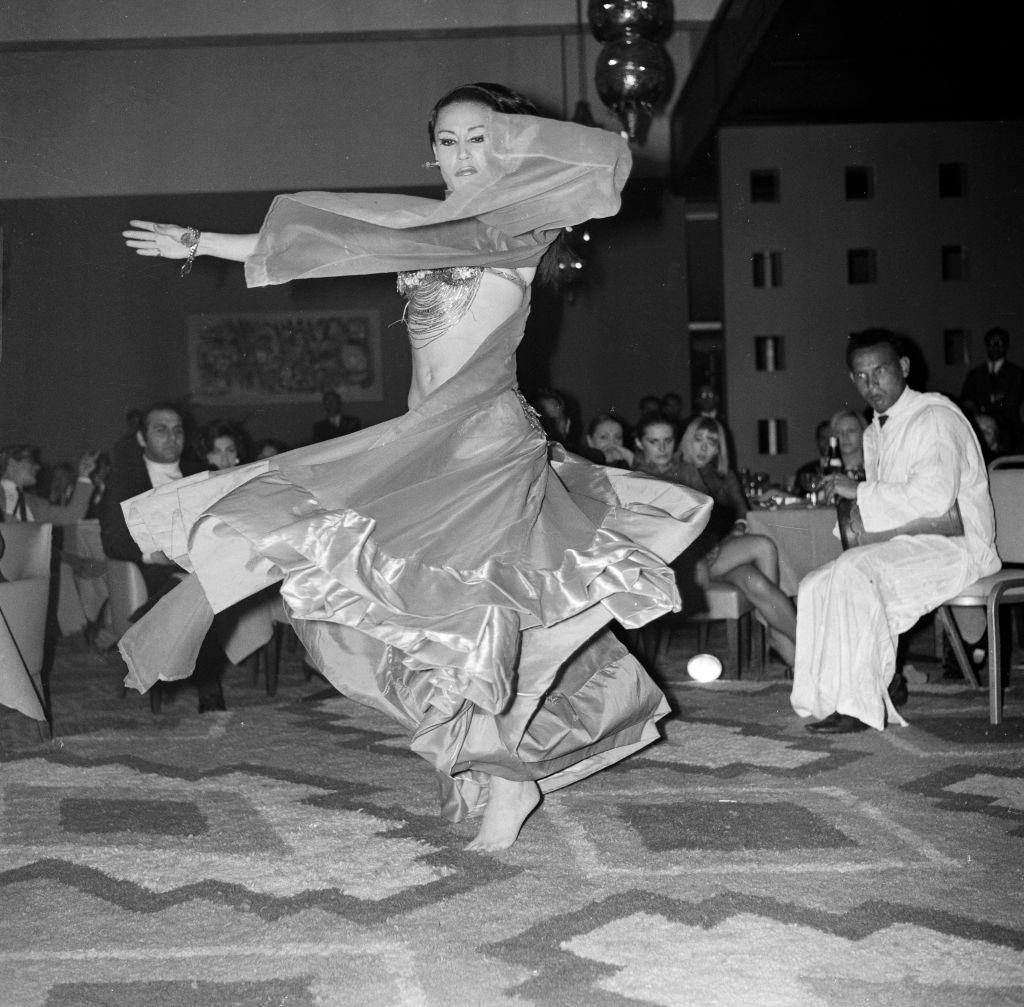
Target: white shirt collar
x=161, y=473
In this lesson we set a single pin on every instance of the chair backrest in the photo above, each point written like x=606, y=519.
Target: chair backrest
x=26, y=549
x=127, y=591
x=1007, y=462
x=1007, y=488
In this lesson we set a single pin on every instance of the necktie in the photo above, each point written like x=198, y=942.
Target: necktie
x=19, y=508
x=882, y=417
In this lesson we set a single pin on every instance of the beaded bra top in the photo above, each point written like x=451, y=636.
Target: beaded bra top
x=436, y=299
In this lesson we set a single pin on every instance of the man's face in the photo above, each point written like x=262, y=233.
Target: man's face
x=332, y=403
x=163, y=439
x=880, y=376
x=995, y=346
x=22, y=469
x=707, y=399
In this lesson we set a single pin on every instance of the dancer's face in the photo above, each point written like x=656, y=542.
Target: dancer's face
x=462, y=145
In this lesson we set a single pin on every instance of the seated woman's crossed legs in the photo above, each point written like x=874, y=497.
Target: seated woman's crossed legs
x=751, y=563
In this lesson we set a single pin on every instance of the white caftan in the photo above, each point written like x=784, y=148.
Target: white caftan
x=851, y=612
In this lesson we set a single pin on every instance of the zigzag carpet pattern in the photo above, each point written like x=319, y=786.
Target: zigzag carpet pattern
x=288, y=852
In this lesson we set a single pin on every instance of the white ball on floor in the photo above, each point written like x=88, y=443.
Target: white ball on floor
x=704, y=667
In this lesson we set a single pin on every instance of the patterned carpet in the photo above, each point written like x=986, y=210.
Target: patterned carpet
x=288, y=852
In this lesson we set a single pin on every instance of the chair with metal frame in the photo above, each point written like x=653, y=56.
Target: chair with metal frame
x=24, y=607
x=1005, y=587
x=725, y=603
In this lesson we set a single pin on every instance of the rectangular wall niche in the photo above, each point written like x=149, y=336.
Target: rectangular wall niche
x=861, y=266
x=956, y=347
x=952, y=180
x=764, y=186
x=860, y=182
x=954, y=263
x=767, y=269
x=772, y=437
x=769, y=353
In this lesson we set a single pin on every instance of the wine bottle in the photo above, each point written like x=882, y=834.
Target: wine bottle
x=834, y=464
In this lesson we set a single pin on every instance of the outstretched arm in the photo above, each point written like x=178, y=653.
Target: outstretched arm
x=165, y=241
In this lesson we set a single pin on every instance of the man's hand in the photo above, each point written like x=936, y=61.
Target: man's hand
x=838, y=486
x=86, y=464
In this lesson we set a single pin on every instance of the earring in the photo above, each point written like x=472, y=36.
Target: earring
x=429, y=164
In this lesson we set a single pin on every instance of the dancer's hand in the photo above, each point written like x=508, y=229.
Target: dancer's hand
x=156, y=240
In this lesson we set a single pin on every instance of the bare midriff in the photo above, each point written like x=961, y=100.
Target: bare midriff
x=433, y=364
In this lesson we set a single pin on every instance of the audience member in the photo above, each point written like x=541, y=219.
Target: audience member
x=19, y=467
x=708, y=403
x=655, y=441
x=849, y=426
x=606, y=435
x=159, y=459
x=990, y=433
x=996, y=387
x=224, y=444
x=100, y=475
x=649, y=404
x=60, y=485
x=672, y=407
x=813, y=469
x=268, y=447
x=749, y=562
x=334, y=424
x=921, y=457
x=126, y=444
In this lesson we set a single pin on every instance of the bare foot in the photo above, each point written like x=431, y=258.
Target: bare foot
x=508, y=805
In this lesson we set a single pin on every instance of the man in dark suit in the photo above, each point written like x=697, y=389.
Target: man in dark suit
x=996, y=387
x=334, y=424
x=160, y=459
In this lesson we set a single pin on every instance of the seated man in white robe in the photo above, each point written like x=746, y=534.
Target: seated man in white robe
x=921, y=456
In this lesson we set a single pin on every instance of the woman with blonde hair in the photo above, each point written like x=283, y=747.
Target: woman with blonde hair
x=749, y=562
x=849, y=427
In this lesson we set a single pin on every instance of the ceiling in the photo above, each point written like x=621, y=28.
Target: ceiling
x=805, y=61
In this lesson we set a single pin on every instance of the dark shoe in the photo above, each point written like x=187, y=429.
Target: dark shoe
x=821, y=725
x=898, y=690
x=838, y=723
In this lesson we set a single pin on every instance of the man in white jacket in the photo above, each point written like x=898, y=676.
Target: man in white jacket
x=920, y=456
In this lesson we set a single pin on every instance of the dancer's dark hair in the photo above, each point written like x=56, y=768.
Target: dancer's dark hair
x=551, y=269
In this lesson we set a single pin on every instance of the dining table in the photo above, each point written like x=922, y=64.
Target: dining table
x=805, y=536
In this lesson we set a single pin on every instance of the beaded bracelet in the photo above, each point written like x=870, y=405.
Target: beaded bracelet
x=190, y=239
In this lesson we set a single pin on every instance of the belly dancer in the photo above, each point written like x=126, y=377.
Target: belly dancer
x=448, y=567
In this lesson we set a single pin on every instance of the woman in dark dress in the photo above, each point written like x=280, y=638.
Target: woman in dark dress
x=750, y=562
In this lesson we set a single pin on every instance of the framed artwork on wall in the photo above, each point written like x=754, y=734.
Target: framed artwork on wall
x=282, y=357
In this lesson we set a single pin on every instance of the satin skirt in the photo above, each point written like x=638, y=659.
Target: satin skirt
x=448, y=567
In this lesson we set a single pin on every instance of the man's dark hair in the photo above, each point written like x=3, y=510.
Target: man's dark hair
x=997, y=331
x=869, y=338
x=161, y=406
